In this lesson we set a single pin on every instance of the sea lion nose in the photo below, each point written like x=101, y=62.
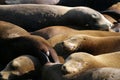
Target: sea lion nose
x=63, y=68
x=1, y=77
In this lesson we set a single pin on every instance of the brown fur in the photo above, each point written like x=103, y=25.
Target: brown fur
x=115, y=7
x=22, y=67
x=51, y=31
x=56, y=40
x=77, y=63
x=16, y=41
x=92, y=44
x=30, y=45
x=9, y=30
x=114, y=11
x=112, y=14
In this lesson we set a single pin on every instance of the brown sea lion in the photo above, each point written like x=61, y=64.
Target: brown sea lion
x=92, y=44
x=36, y=16
x=52, y=31
x=115, y=6
x=113, y=11
x=22, y=68
x=9, y=30
x=56, y=41
x=79, y=62
x=13, y=43
x=29, y=45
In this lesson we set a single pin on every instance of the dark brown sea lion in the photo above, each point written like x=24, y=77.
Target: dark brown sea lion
x=36, y=16
x=27, y=45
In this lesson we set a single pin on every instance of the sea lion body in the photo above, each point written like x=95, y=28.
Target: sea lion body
x=27, y=45
x=79, y=62
x=57, y=41
x=52, y=31
x=36, y=16
x=91, y=44
x=31, y=1
x=9, y=30
x=22, y=67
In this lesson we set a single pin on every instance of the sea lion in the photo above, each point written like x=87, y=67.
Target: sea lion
x=106, y=73
x=23, y=67
x=30, y=45
x=31, y=1
x=91, y=74
x=78, y=63
x=58, y=41
x=13, y=43
x=91, y=44
x=113, y=11
x=52, y=31
x=36, y=16
x=9, y=30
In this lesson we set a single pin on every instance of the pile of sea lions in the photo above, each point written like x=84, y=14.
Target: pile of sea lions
x=59, y=40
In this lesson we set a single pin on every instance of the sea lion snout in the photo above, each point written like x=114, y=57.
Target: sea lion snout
x=68, y=46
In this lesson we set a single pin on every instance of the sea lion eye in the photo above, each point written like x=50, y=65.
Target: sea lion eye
x=14, y=65
x=73, y=39
x=96, y=16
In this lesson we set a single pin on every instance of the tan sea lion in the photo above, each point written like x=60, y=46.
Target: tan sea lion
x=78, y=63
x=107, y=73
x=22, y=68
x=91, y=44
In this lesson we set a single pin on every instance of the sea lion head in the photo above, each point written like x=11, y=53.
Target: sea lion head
x=19, y=67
